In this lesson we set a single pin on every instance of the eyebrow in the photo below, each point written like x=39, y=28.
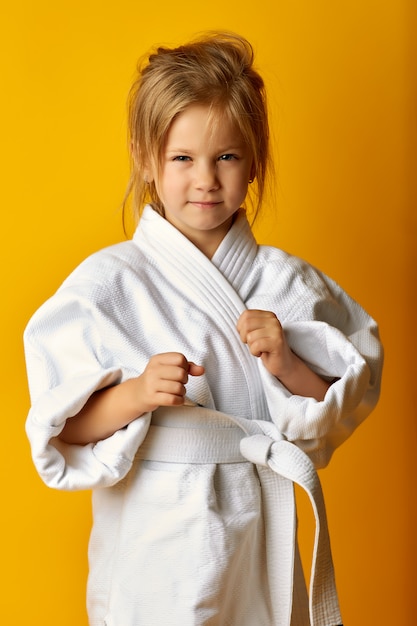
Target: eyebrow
x=175, y=149
x=225, y=150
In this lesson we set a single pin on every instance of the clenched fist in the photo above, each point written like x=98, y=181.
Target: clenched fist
x=163, y=381
x=263, y=333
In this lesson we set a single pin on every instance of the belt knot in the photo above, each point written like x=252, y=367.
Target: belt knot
x=257, y=448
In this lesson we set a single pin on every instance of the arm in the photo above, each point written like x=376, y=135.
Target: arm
x=108, y=410
x=263, y=333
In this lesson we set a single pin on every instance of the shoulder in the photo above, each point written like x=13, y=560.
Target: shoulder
x=108, y=272
x=294, y=273
x=293, y=287
x=104, y=265
x=98, y=283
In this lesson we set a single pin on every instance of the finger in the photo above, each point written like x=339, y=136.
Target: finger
x=254, y=318
x=170, y=388
x=173, y=373
x=180, y=373
x=250, y=313
x=260, y=346
x=195, y=370
x=171, y=358
x=267, y=339
x=243, y=321
x=169, y=399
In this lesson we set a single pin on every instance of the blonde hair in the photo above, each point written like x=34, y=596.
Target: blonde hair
x=215, y=70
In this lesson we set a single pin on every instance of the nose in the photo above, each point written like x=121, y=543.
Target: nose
x=206, y=177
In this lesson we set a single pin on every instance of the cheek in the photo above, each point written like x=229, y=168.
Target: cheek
x=241, y=186
x=169, y=185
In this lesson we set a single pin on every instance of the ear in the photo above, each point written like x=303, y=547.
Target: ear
x=147, y=175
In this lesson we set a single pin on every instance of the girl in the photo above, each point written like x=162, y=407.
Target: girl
x=189, y=376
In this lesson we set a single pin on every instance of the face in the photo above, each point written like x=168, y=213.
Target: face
x=204, y=176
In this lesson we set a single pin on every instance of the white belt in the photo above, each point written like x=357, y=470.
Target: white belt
x=199, y=435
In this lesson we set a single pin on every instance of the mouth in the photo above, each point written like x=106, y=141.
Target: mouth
x=205, y=205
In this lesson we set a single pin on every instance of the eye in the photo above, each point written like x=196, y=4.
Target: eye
x=227, y=157
x=181, y=158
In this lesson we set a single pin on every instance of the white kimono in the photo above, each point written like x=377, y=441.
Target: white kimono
x=194, y=521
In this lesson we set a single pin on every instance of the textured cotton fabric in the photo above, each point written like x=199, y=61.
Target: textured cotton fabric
x=202, y=562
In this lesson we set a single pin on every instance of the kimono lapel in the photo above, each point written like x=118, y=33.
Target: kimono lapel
x=214, y=283
x=236, y=253
x=224, y=273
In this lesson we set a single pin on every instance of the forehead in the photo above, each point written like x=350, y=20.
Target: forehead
x=202, y=123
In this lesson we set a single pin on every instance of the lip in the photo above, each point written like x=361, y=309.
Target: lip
x=205, y=205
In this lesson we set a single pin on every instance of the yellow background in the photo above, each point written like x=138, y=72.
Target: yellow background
x=341, y=78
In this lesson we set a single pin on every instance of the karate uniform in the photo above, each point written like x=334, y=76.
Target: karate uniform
x=177, y=542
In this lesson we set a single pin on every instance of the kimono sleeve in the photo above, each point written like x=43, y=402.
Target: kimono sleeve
x=340, y=342
x=67, y=362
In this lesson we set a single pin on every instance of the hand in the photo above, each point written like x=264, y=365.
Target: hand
x=164, y=378
x=263, y=333
x=112, y=408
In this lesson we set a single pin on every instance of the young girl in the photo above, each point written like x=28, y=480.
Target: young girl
x=189, y=376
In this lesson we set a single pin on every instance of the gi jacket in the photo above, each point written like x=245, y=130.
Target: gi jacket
x=159, y=293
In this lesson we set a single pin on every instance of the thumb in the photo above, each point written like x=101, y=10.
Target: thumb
x=195, y=370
